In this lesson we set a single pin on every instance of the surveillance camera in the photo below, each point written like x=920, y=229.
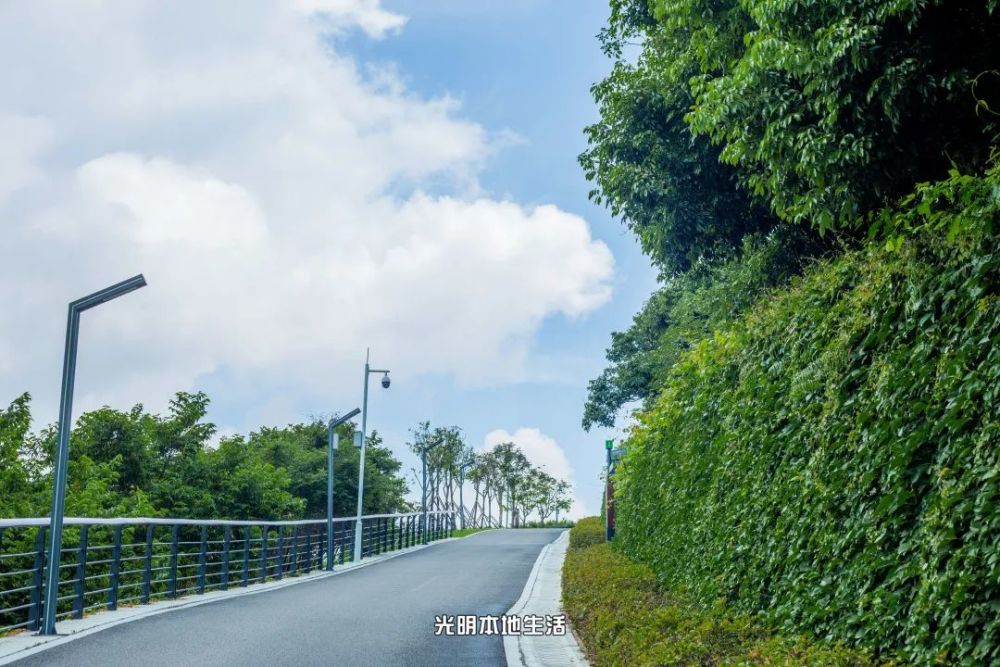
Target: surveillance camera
x=385, y=381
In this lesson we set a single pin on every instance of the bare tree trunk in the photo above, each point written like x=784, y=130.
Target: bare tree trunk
x=475, y=504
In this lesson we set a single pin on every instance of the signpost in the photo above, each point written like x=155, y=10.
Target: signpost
x=609, y=496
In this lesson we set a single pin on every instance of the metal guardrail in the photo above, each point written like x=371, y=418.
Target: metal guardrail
x=111, y=562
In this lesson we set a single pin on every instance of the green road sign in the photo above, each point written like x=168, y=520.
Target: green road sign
x=608, y=444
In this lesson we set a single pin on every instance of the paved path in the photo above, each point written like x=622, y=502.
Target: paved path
x=379, y=615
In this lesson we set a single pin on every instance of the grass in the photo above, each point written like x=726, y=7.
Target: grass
x=465, y=532
x=624, y=616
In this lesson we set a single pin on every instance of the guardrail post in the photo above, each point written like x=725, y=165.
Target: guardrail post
x=281, y=553
x=383, y=547
x=202, y=548
x=147, y=566
x=345, y=540
x=226, y=537
x=172, y=587
x=38, y=575
x=80, y=585
x=245, y=575
x=116, y=564
x=263, y=553
x=294, y=565
x=309, y=551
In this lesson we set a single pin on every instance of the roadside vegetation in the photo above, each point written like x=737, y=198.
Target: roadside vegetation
x=465, y=532
x=506, y=488
x=817, y=449
x=625, y=617
x=135, y=463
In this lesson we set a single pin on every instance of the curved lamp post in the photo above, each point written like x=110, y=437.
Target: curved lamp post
x=65, y=424
x=364, y=445
x=333, y=439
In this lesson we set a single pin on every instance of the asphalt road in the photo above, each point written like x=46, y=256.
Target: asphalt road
x=379, y=615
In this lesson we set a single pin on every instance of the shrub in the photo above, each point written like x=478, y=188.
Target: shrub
x=831, y=461
x=625, y=618
x=586, y=532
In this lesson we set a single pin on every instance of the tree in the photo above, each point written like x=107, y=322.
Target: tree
x=831, y=110
x=15, y=483
x=139, y=464
x=666, y=184
x=687, y=308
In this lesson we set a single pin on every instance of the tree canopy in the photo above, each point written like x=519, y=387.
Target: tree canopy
x=132, y=463
x=730, y=130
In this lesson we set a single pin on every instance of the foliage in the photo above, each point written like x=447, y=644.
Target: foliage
x=15, y=485
x=587, y=531
x=962, y=204
x=824, y=112
x=830, y=110
x=831, y=460
x=666, y=184
x=139, y=464
x=503, y=474
x=625, y=617
x=687, y=308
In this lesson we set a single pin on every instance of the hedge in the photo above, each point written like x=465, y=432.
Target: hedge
x=831, y=461
x=587, y=531
x=625, y=617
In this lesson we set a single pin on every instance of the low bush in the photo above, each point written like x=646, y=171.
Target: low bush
x=624, y=617
x=586, y=532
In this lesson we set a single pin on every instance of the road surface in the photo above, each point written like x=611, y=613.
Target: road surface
x=380, y=615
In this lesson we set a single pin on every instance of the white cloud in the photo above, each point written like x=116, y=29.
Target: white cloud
x=24, y=138
x=287, y=206
x=367, y=14
x=543, y=452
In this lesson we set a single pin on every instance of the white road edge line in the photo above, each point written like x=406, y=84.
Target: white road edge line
x=542, y=595
x=18, y=647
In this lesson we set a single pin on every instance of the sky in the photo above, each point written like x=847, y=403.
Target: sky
x=302, y=180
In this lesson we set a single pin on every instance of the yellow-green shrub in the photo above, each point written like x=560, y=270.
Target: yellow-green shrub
x=625, y=618
x=586, y=532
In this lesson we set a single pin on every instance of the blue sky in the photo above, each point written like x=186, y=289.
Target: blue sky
x=300, y=180
x=526, y=66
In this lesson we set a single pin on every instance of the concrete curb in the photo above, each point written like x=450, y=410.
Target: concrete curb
x=542, y=595
x=23, y=645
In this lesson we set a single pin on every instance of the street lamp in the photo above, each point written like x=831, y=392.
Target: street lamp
x=364, y=445
x=333, y=439
x=65, y=424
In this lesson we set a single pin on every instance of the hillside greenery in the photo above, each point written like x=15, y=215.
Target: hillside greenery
x=816, y=378
x=832, y=460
